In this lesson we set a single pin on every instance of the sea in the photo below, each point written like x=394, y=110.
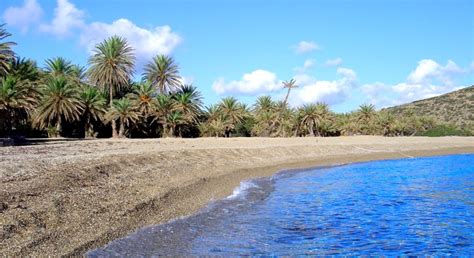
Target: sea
x=412, y=206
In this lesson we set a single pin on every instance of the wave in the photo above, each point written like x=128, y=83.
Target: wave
x=242, y=189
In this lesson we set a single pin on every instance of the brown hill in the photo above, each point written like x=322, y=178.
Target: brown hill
x=456, y=108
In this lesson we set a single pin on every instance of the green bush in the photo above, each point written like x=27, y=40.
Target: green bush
x=446, y=130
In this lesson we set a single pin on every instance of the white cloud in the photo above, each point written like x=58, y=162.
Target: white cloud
x=380, y=94
x=305, y=47
x=66, y=18
x=256, y=82
x=311, y=90
x=427, y=80
x=146, y=43
x=23, y=16
x=308, y=63
x=69, y=20
x=347, y=73
x=429, y=70
x=333, y=62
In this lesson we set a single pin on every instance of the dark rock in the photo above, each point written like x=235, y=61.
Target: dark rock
x=3, y=206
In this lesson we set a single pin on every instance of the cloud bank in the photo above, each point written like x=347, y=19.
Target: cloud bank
x=253, y=83
x=68, y=21
x=428, y=79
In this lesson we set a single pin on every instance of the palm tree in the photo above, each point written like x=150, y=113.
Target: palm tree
x=215, y=127
x=17, y=97
x=187, y=101
x=111, y=67
x=164, y=107
x=415, y=124
x=143, y=98
x=263, y=104
x=59, y=66
x=212, y=112
x=386, y=122
x=60, y=99
x=346, y=124
x=78, y=75
x=123, y=111
x=313, y=115
x=283, y=106
x=94, y=108
x=192, y=91
x=24, y=69
x=6, y=52
x=298, y=124
x=283, y=120
x=289, y=85
x=215, y=122
x=264, y=110
x=366, y=112
x=233, y=110
x=163, y=73
x=365, y=116
x=174, y=120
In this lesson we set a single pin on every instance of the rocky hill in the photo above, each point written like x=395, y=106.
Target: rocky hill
x=456, y=108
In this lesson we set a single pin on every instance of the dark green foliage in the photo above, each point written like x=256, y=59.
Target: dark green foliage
x=445, y=130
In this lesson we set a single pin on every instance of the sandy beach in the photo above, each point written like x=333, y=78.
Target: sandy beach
x=67, y=197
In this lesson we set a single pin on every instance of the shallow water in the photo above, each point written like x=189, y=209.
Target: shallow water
x=421, y=206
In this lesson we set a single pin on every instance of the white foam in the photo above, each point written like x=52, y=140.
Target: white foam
x=241, y=189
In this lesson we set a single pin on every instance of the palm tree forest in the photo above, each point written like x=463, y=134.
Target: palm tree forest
x=63, y=99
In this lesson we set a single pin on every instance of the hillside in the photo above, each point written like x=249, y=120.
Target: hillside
x=455, y=108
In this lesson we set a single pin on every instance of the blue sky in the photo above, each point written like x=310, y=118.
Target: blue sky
x=344, y=53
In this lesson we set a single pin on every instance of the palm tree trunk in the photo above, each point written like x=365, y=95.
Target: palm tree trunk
x=317, y=130
x=165, y=130
x=121, y=129
x=279, y=114
x=114, y=130
x=311, y=131
x=297, y=129
x=86, y=126
x=287, y=95
x=58, y=127
x=272, y=125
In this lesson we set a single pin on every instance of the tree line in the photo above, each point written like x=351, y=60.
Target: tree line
x=102, y=100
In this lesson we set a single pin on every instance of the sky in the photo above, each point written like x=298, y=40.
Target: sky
x=341, y=52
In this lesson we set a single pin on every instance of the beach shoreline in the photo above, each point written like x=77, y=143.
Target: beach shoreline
x=65, y=198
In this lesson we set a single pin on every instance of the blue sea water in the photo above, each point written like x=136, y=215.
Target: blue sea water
x=416, y=206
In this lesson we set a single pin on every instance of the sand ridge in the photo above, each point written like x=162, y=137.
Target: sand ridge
x=66, y=197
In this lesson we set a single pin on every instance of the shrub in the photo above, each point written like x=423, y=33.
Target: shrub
x=446, y=130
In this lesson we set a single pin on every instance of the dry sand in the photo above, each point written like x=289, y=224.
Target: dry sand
x=66, y=197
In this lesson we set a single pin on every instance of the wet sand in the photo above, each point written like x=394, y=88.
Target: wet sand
x=67, y=197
